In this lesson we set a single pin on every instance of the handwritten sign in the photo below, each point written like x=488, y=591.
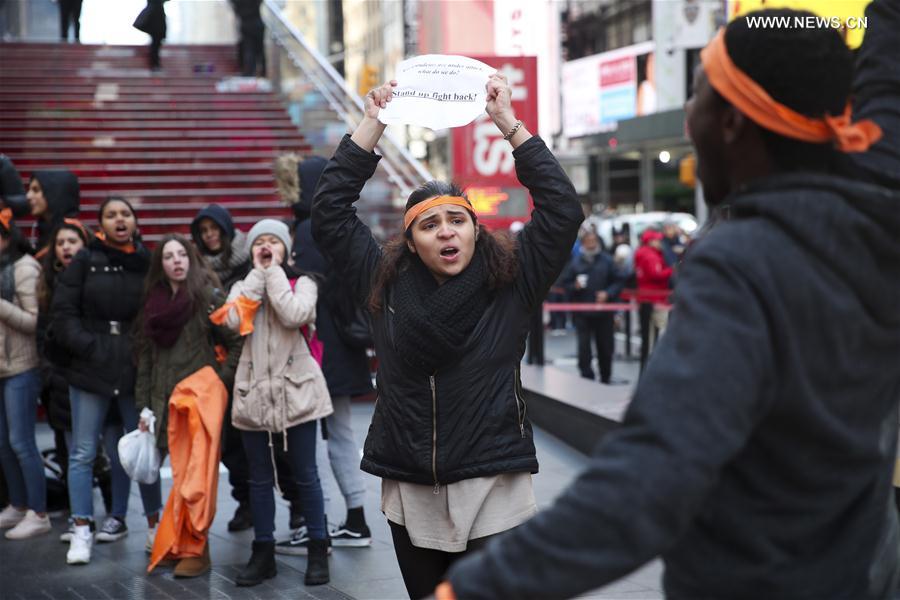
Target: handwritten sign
x=437, y=91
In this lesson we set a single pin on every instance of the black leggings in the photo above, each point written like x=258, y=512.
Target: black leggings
x=423, y=569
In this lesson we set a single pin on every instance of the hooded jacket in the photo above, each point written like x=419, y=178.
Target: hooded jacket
x=12, y=194
x=61, y=191
x=756, y=456
x=650, y=265
x=237, y=265
x=468, y=419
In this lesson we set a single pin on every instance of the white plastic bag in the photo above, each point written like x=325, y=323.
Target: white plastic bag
x=138, y=453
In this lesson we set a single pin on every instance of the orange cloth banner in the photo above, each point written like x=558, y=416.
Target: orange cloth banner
x=196, y=410
x=246, y=310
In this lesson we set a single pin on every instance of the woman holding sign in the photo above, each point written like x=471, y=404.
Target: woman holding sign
x=451, y=303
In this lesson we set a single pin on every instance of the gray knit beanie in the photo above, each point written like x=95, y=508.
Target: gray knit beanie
x=271, y=227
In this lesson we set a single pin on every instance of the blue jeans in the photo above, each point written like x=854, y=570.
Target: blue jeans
x=19, y=454
x=301, y=442
x=88, y=419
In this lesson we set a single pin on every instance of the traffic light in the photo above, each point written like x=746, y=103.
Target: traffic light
x=368, y=79
x=687, y=169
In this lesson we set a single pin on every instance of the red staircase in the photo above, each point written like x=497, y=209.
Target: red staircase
x=166, y=140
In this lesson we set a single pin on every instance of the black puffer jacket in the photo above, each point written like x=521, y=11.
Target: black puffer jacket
x=346, y=369
x=470, y=418
x=62, y=193
x=94, y=305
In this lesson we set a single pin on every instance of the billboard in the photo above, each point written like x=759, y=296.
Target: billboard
x=599, y=91
x=482, y=160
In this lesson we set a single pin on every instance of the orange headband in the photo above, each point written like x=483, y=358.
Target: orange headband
x=79, y=225
x=6, y=217
x=751, y=99
x=418, y=209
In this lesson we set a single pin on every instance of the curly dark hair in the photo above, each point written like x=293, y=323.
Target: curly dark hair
x=808, y=70
x=498, y=249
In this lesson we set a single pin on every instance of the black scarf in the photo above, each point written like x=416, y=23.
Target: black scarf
x=431, y=321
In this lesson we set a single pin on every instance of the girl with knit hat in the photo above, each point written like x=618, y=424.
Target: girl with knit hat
x=96, y=300
x=279, y=394
x=451, y=304
x=20, y=385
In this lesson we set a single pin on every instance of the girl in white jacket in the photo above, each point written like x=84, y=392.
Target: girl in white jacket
x=279, y=394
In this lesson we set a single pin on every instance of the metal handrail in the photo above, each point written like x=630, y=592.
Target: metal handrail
x=402, y=168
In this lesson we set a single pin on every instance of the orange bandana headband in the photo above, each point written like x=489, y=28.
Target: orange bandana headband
x=418, y=209
x=751, y=99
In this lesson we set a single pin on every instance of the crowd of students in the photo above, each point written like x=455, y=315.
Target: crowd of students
x=97, y=328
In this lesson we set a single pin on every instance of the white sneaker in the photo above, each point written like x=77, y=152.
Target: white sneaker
x=32, y=525
x=10, y=516
x=80, y=547
x=151, y=537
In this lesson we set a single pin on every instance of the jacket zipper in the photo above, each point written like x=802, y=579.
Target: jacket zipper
x=434, y=435
x=520, y=411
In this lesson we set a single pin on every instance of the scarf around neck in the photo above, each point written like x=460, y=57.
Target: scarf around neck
x=433, y=321
x=166, y=315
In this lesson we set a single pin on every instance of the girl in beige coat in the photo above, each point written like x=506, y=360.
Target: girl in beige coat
x=279, y=393
x=20, y=385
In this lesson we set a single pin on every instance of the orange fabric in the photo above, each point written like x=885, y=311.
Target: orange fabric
x=246, y=310
x=126, y=248
x=196, y=411
x=418, y=209
x=6, y=218
x=752, y=100
x=444, y=591
x=221, y=353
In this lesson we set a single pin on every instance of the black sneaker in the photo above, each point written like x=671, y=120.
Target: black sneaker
x=112, y=529
x=297, y=545
x=351, y=537
x=297, y=519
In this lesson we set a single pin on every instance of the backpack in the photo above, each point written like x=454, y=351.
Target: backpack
x=315, y=345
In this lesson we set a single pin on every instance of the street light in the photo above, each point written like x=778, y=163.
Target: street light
x=664, y=157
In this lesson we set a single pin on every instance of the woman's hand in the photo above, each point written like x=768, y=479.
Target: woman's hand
x=499, y=108
x=499, y=102
x=378, y=98
x=370, y=128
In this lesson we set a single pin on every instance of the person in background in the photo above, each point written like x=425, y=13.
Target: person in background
x=279, y=394
x=95, y=303
x=592, y=277
x=223, y=246
x=175, y=339
x=69, y=238
x=451, y=304
x=672, y=243
x=20, y=386
x=152, y=21
x=252, y=31
x=344, y=363
x=69, y=14
x=52, y=197
x=227, y=252
x=653, y=277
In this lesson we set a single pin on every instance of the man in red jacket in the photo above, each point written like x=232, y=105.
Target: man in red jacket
x=653, y=286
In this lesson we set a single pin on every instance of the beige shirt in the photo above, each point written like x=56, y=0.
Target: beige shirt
x=458, y=512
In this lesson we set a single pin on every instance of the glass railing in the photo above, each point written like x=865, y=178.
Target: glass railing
x=299, y=70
